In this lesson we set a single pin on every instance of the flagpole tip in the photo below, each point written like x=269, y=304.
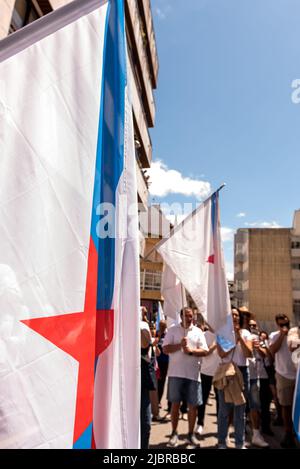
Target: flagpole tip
x=221, y=187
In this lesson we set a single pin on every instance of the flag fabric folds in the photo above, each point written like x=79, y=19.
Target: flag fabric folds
x=173, y=293
x=194, y=254
x=160, y=315
x=69, y=295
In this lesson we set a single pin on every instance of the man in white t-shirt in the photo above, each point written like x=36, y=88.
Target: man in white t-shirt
x=185, y=343
x=285, y=375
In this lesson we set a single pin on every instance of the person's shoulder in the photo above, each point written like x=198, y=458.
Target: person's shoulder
x=144, y=326
x=198, y=331
x=172, y=329
x=273, y=335
x=246, y=334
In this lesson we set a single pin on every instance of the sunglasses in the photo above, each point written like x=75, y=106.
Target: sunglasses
x=285, y=324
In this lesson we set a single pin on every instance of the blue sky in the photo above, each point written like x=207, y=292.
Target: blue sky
x=224, y=107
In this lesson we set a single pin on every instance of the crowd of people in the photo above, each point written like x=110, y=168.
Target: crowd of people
x=257, y=371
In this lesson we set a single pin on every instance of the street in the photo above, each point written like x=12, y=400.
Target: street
x=160, y=431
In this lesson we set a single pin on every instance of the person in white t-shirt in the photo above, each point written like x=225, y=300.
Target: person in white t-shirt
x=185, y=343
x=285, y=375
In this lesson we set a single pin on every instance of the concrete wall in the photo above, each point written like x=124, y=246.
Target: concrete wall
x=270, y=283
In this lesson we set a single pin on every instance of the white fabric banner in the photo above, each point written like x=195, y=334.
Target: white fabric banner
x=194, y=254
x=50, y=95
x=173, y=293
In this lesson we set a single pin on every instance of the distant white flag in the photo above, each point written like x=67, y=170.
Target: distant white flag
x=194, y=253
x=173, y=293
x=160, y=315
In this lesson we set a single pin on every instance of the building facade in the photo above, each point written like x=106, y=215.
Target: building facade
x=231, y=289
x=155, y=226
x=142, y=70
x=267, y=271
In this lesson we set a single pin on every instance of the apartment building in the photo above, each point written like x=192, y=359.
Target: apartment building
x=142, y=70
x=155, y=226
x=267, y=271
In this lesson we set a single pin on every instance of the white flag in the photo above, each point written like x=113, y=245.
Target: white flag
x=173, y=293
x=69, y=296
x=194, y=253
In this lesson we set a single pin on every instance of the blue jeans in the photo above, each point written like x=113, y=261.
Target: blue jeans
x=238, y=421
x=145, y=418
x=245, y=372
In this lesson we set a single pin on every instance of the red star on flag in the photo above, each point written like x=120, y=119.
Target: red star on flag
x=84, y=336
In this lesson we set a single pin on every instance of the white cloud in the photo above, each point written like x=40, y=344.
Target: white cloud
x=229, y=270
x=227, y=234
x=263, y=224
x=161, y=15
x=241, y=215
x=166, y=181
x=163, y=11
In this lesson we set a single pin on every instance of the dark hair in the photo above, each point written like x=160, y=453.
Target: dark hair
x=264, y=332
x=245, y=315
x=184, y=309
x=282, y=317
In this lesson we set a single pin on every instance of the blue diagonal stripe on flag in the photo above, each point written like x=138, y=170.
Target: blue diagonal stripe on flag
x=296, y=406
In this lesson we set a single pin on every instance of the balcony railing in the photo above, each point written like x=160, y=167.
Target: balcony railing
x=145, y=7
x=140, y=121
x=295, y=252
x=142, y=188
x=135, y=29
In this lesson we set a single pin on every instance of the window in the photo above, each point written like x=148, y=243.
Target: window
x=151, y=280
x=295, y=244
x=296, y=283
x=296, y=266
x=297, y=309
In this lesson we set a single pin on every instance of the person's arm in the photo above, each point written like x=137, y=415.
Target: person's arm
x=171, y=348
x=145, y=338
x=212, y=348
x=246, y=345
x=275, y=346
x=196, y=352
x=261, y=350
x=201, y=350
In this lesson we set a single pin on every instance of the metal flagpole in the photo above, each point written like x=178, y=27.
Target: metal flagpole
x=178, y=227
